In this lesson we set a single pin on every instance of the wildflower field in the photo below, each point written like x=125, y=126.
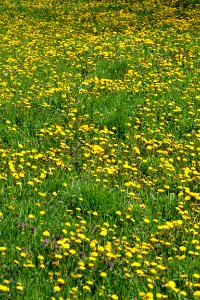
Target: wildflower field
x=100, y=149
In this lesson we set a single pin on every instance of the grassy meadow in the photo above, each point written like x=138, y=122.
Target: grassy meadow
x=100, y=149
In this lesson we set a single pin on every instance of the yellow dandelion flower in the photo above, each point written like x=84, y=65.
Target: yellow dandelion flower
x=118, y=213
x=6, y=281
x=146, y=220
x=103, y=232
x=66, y=246
x=103, y=274
x=2, y=248
x=159, y=296
x=56, y=288
x=149, y=296
x=31, y=216
x=72, y=251
x=135, y=264
x=171, y=284
x=183, y=293
x=40, y=257
x=139, y=272
x=46, y=233
x=61, y=281
x=86, y=287
x=114, y=297
x=58, y=256
x=100, y=248
x=4, y=288
x=182, y=248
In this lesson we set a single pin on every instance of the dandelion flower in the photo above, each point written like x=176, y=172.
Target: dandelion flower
x=4, y=288
x=115, y=297
x=103, y=274
x=56, y=288
x=46, y=233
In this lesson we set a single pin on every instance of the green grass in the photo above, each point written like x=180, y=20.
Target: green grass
x=100, y=148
